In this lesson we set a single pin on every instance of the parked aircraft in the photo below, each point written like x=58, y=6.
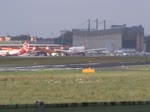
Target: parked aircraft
x=125, y=52
x=24, y=49
x=37, y=51
x=78, y=50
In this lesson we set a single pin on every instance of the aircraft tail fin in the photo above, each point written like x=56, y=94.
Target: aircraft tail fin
x=25, y=47
x=110, y=46
x=26, y=44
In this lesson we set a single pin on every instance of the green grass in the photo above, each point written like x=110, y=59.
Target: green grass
x=7, y=61
x=64, y=86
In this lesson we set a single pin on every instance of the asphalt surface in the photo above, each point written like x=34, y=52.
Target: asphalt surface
x=102, y=66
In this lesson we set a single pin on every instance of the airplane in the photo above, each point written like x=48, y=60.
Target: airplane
x=38, y=51
x=125, y=52
x=78, y=50
x=24, y=49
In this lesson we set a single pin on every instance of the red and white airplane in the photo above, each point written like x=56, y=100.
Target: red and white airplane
x=24, y=49
x=79, y=50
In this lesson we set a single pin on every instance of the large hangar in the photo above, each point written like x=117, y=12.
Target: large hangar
x=113, y=38
x=147, y=43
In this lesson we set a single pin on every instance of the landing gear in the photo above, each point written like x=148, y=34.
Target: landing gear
x=83, y=54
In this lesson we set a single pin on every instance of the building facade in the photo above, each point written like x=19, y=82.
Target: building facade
x=114, y=38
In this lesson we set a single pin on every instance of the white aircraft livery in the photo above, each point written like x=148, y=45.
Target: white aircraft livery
x=79, y=50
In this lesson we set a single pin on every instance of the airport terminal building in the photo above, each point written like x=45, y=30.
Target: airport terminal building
x=113, y=38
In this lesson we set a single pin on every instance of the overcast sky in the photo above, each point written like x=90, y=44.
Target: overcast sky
x=46, y=18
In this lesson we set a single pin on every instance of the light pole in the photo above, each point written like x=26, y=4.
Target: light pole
x=62, y=39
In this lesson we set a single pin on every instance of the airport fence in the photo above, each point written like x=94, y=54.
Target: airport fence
x=80, y=107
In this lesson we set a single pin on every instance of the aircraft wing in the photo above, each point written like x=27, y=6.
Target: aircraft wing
x=97, y=49
x=61, y=50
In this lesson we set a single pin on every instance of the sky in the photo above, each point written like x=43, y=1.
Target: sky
x=47, y=18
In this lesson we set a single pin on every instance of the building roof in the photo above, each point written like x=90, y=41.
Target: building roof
x=103, y=32
x=39, y=45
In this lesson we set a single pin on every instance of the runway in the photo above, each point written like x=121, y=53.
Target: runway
x=102, y=66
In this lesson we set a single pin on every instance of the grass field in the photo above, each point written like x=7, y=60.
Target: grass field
x=7, y=61
x=64, y=86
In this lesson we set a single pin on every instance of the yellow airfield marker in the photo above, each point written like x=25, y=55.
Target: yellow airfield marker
x=88, y=70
